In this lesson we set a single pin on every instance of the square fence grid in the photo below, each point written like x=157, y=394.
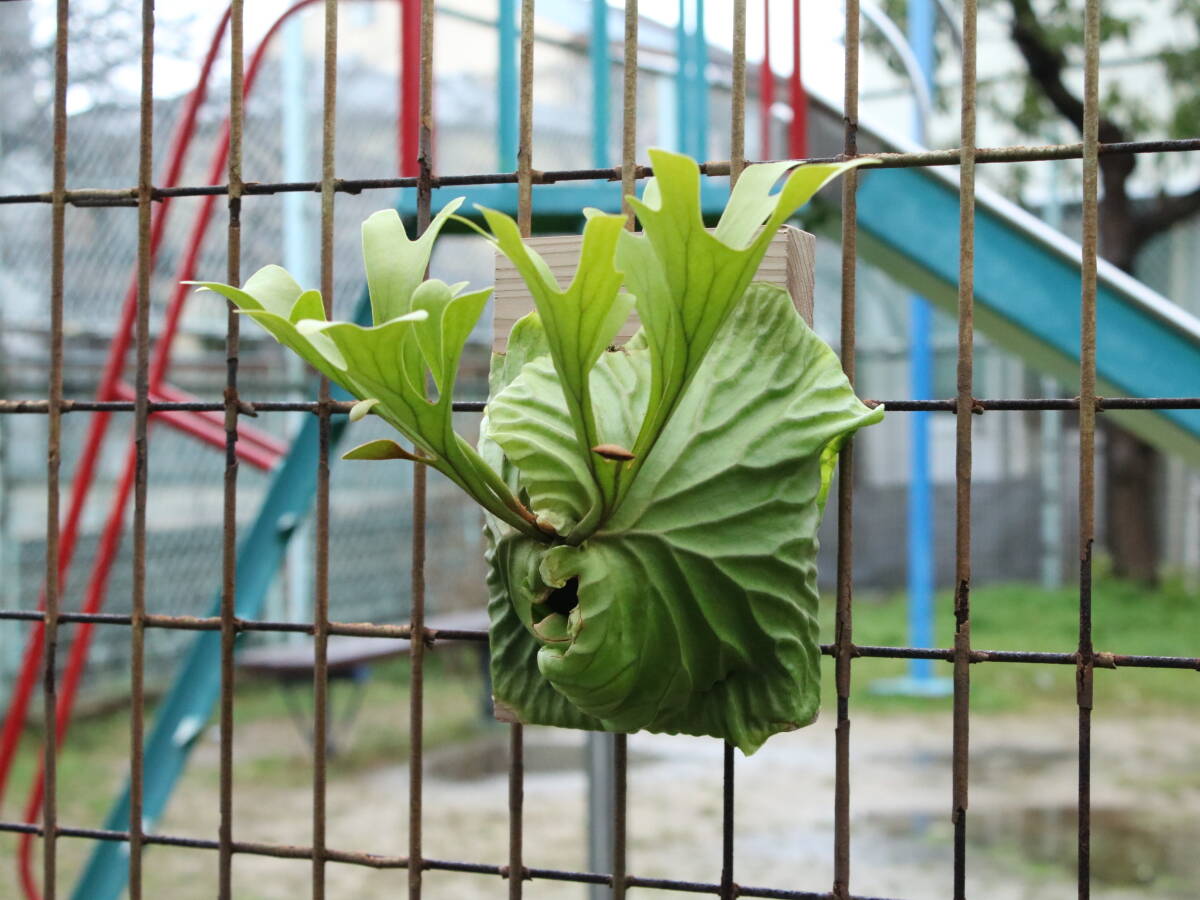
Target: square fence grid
x=419, y=19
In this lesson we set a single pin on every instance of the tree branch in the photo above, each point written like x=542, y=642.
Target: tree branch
x=1046, y=63
x=1166, y=212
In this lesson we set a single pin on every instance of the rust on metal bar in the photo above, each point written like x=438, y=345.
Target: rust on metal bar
x=320, y=742
x=628, y=170
x=339, y=408
x=525, y=127
x=1084, y=673
x=232, y=410
x=1104, y=659
x=419, y=491
x=137, y=632
x=127, y=197
x=737, y=127
x=379, y=861
x=516, y=772
x=843, y=623
x=729, y=889
x=962, y=449
x=54, y=461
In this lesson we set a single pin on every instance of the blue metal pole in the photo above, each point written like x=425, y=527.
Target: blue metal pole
x=297, y=259
x=682, y=93
x=699, y=87
x=920, y=488
x=601, y=70
x=507, y=85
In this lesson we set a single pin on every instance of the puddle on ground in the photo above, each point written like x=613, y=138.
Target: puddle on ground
x=1129, y=848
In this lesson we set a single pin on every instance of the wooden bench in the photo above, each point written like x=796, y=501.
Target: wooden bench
x=349, y=658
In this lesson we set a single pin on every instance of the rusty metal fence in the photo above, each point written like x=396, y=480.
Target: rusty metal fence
x=520, y=866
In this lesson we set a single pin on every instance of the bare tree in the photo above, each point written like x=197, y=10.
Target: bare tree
x=1048, y=34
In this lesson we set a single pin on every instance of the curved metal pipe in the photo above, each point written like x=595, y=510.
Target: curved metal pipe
x=891, y=33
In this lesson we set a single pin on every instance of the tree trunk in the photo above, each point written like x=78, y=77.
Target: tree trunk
x=1132, y=468
x=1131, y=492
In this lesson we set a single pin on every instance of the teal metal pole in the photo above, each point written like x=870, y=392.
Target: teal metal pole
x=601, y=70
x=920, y=486
x=297, y=259
x=682, y=94
x=506, y=125
x=699, y=84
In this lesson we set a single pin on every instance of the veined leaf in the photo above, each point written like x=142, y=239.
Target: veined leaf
x=525, y=420
x=420, y=330
x=380, y=450
x=395, y=264
x=579, y=323
x=697, y=600
x=389, y=363
x=273, y=299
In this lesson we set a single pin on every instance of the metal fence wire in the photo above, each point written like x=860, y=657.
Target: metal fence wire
x=521, y=866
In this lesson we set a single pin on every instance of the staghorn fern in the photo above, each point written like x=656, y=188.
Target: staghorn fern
x=651, y=511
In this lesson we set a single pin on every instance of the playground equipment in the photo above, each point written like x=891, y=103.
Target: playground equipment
x=1026, y=275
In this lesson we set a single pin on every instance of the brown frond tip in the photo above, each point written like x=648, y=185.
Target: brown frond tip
x=613, y=452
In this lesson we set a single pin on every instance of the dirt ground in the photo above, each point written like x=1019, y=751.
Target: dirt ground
x=1146, y=796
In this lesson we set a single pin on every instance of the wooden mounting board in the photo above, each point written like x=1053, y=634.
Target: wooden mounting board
x=787, y=263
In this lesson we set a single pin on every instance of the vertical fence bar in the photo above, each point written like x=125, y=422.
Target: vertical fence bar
x=737, y=127
x=416, y=659
x=516, y=771
x=620, y=813
x=728, y=888
x=54, y=457
x=843, y=633
x=229, y=523
x=137, y=633
x=962, y=461
x=1087, y=429
x=737, y=162
x=629, y=118
x=321, y=585
x=628, y=186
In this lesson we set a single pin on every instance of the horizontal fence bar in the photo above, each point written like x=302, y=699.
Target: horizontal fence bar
x=91, y=197
x=433, y=635
x=253, y=407
x=379, y=861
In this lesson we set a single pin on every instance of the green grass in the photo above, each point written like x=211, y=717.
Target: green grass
x=1127, y=619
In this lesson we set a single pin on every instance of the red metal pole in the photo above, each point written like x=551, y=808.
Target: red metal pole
x=410, y=85
x=98, y=427
x=798, y=131
x=766, y=91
